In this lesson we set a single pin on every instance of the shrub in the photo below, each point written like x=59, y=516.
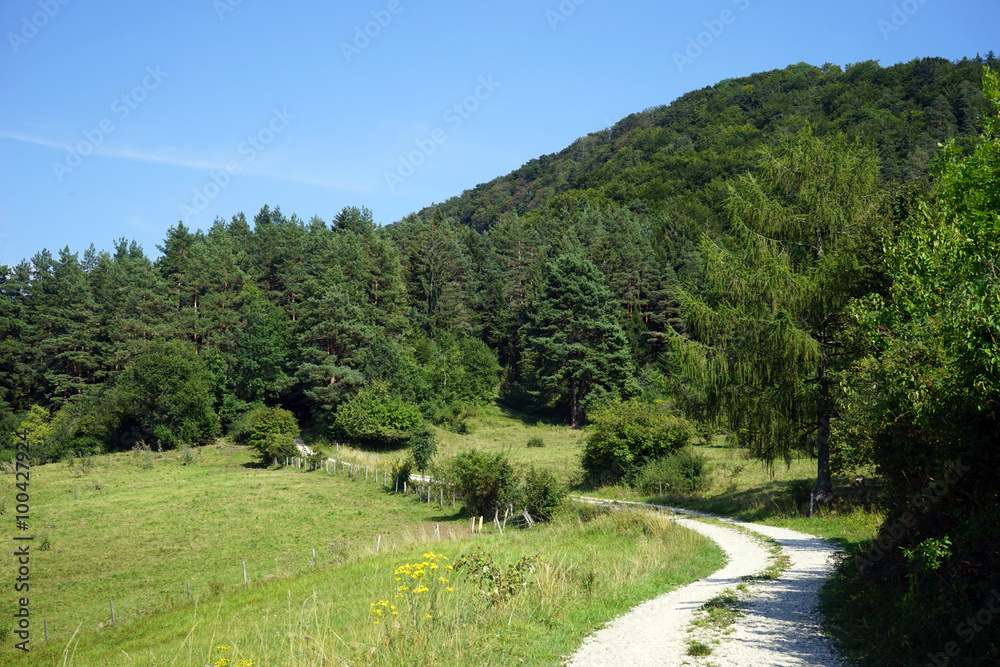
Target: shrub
x=485, y=482
x=401, y=471
x=536, y=442
x=423, y=447
x=272, y=432
x=376, y=416
x=626, y=436
x=543, y=494
x=684, y=471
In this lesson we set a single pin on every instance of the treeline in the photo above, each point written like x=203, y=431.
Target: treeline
x=326, y=319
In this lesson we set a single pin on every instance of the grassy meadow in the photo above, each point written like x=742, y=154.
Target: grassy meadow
x=137, y=527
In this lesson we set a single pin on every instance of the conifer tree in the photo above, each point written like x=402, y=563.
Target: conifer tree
x=575, y=350
x=767, y=328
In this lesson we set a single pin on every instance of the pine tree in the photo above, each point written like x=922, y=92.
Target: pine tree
x=575, y=349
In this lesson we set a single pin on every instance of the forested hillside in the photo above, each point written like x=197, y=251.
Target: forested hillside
x=806, y=257
x=559, y=283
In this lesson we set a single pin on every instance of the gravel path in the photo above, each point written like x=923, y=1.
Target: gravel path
x=781, y=625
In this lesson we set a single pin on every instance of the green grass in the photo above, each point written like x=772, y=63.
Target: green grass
x=745, y=489
x=135, y=535
x=595, y=566
x=121, y=530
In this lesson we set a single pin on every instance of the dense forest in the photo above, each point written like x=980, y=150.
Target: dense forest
x=804, y=257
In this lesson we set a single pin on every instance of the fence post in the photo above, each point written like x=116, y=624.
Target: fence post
x=378, y=544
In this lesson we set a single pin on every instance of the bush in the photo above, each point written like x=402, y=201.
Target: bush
x=401, y=471
x=684, y=471
x=536, y=442
x=543, y=494
x=485, y=482
x=423, y=447
x=272, y=432
x=627, y=436
x=376, y=416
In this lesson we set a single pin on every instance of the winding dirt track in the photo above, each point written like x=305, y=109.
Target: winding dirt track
x=781, y=625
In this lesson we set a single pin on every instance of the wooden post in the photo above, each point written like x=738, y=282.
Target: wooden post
x=189, y=590
x=472, y=524
x=404, y=488
x=112, y=612
x=397, y=484
x=497, y=522
x=378, y=543
x=244, y=573
x=480, y=523
x=812, y=497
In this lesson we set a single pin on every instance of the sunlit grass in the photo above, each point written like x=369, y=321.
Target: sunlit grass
x=593, y=566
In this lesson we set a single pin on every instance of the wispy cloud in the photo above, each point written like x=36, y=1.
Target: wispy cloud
x=184, y=162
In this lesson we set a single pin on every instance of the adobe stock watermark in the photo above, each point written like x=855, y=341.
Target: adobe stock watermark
x=223, y=7
x=363, y=35
x=921, y=502
x=900, y=16
x=122, y=107
x=565, y=9
x=455, y=116
x=248, y=150
x=967, y=630
x=714, y=28
x=31, y=25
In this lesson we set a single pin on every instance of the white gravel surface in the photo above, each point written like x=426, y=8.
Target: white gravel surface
x=781, y=625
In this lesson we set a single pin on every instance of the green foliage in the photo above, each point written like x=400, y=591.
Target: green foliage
x=496, y=582
x=922, y=406
x=768, y=326
x=401, y=471
x=35, y=427
x=423, y=447
x=535, y=441
x=272, y=432
x=376, y=416
x=485, y=482
x=544, y=495
x=684, y=471
x=576, y=351
x=166, y=397
x=626, y=436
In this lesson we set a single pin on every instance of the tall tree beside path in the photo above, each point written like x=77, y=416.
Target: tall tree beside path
x=767, y=328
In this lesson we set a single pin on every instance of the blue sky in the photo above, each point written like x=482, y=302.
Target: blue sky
x=121, y=118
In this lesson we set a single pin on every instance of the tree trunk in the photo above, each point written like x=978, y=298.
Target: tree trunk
x=576, y=414
x=824, y=484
